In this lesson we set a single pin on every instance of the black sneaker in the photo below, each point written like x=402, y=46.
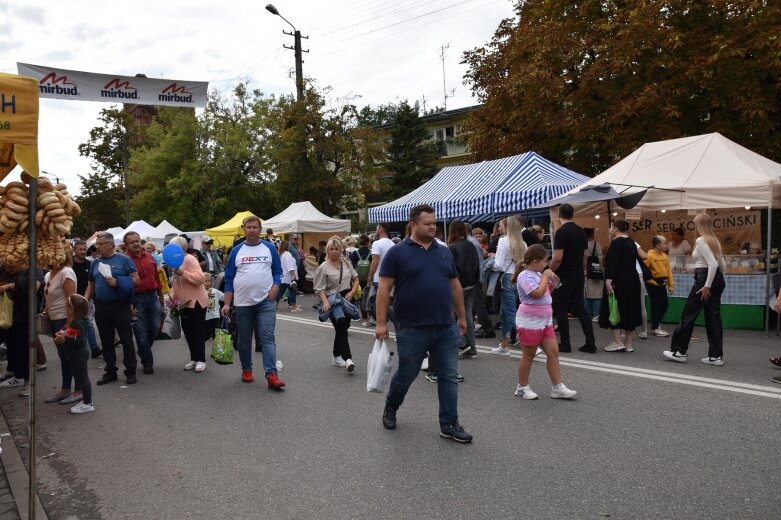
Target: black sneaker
x=459, y=377
x=565, y=348
x=108, y=377
x=432, y=377
x=131, y=379
x=97, y=353
x=456, y=432
x=588, y=349
x=149, y=369
x=389, y=418
x=463, y=349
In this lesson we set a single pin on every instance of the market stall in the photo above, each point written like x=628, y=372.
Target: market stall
x=668, y=182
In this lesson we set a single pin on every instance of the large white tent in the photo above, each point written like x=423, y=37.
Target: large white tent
x=303, y=217
x=142, y=227
x=699, y=172
x=164, y=228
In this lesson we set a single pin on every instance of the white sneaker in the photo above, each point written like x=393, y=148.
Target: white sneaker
x=12, y=383
x=629, y=348
x=83, y=408
x=715, y=361
x=660, y=332
x=539, y=351
x=674, y=355
x=614, y=347
x=642, y=334
x=478, y=327
x=25, y=391
x=339, y=362
x=280, y=366
x=562, y=392
x=595, y=319
x=372, y=322
x=525, y=392
x=350, y=365
x=190, y=365
x=500, y=351
x=424, y=365
x=200, y=366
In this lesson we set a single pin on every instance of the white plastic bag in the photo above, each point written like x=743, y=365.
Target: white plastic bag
x=378, y=368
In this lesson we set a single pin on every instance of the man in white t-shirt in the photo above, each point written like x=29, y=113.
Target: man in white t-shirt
x=380, y=247
x=252, y=278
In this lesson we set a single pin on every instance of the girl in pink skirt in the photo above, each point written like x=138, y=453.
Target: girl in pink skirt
x=534, y=321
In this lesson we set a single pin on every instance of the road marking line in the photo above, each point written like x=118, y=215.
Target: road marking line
x=658, y=375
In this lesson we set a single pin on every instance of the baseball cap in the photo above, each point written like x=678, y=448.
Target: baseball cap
x=206, y=238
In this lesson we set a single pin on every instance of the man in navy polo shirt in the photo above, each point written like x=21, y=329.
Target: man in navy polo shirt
x=427, y=291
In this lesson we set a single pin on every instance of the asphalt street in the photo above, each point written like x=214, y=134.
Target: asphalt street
x=645, y=438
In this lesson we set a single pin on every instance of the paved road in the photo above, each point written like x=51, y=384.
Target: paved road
x=645, y=439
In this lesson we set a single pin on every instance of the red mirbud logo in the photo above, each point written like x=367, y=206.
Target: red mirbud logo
x=53, y=84
x=117, y=88
x=175, y=93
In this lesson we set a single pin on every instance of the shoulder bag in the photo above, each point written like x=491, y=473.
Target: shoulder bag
x=593, y=266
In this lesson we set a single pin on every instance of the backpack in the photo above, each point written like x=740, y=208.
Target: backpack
x=363, y=267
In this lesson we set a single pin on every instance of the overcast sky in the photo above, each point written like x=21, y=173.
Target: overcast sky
x=380, y=50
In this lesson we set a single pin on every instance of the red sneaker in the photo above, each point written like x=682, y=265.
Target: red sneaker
x=274, y=381
x=246, y=376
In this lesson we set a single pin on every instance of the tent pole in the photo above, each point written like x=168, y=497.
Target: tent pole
x=768, y=285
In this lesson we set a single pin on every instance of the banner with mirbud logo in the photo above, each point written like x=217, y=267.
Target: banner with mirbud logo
x=87, y=86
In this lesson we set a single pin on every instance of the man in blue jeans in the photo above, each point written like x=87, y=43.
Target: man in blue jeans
x=253, y=275
x=427, y=290
x=148, y=300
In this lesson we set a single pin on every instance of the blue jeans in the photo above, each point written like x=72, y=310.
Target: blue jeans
x=412, y=343
x=291, y=294
x=147, y=324
x=509, y=304
x=263, y=317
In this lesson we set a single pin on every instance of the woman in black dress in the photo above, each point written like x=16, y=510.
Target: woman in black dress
x=621, y=279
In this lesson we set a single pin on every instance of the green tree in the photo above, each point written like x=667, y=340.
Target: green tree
x=109, y=148
x=586, y=83
x=410, y=156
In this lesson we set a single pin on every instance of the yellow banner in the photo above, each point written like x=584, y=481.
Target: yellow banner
x=18, y=124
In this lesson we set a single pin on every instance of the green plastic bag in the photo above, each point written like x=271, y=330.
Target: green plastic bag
x=612, y=304
x=222, y=349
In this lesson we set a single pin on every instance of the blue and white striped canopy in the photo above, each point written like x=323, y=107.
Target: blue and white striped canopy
x=487, y=190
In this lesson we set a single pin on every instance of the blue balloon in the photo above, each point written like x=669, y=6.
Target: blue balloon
x=173, y=256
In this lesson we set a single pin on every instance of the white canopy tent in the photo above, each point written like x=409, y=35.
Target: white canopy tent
x=303, y=217
x=165, y=228
x=700, y=172
x=143, y=228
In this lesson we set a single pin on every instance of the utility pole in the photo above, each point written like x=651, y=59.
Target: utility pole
x=444, y=49
x=299, y=62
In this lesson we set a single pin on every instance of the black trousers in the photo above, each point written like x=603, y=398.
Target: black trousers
x=111, y=316
x=479, y=309
x=571, y=292
x=194, y=328
x=659, y=301
x=77, y=362
x=341, y=342
x=694, y=305
x=18, y=349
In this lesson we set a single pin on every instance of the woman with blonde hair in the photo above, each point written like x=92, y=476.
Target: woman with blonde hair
x=336, y=275
x=706, y=293
x=187, y=285
x=509, y=251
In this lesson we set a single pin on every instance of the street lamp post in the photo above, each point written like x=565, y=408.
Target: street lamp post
x=296, y=50
x=55, y=177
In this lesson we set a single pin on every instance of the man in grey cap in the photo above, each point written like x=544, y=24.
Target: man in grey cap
x=212, y=263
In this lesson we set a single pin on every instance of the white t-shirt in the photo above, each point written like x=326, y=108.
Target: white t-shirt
x=288, y=264
x=684, y=248
x=380, y=247
x=213, y=309
x=55, y=295
x=253, y=278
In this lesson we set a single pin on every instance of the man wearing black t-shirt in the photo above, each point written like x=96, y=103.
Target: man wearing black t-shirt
x=569, y=263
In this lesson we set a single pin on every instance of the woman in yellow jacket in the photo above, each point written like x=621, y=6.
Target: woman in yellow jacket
x=660, y=284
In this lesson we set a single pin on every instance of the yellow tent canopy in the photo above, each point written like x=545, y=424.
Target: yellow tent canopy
x=18, y=124
x=224, y=234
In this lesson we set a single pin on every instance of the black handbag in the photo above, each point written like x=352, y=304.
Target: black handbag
x=593, y=266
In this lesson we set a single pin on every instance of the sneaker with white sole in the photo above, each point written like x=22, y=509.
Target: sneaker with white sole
x=190, y=365
x=674, y=355
x=200, y=366
x=25, y=390
x=615, y=347
x=562, y=392
x=500, y=351
x=339, y=362
x=660, y=332
x=350, y=366
x=642, y=334
x=12, y=382
x=629, y=348
x=83, y=408
x=715, y=361
x=525, y=392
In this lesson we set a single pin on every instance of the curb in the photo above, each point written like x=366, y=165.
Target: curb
x=16, y=473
